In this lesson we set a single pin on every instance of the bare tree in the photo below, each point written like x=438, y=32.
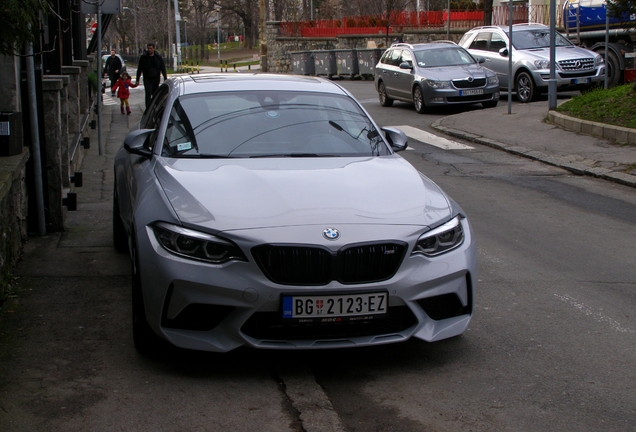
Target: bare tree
x=248, y=12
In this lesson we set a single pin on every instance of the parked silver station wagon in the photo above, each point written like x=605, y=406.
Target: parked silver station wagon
x=270, y=211
x=576, y=68
x=434, y=74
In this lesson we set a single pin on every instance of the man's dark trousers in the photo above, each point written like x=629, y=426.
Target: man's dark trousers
x=150, y=85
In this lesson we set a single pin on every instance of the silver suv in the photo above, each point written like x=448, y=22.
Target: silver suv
x=576, y=68
x=434, y=74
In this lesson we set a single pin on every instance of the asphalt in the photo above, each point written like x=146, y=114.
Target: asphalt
x=529, y=131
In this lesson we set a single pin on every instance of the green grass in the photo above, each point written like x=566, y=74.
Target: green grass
x=615, y=106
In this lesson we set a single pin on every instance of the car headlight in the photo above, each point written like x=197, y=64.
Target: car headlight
x=542, y=64
x=196, y=245
x=493, y=80
x=441, y=239
x=598, y=61
x=438, y=84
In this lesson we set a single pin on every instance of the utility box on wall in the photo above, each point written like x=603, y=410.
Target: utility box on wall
x=10, y=133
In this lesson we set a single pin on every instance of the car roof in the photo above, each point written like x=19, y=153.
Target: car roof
x=191, y=84
x=426, y=46
x=515, y=27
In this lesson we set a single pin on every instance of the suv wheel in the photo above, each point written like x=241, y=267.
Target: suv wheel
x=385, y=101
x=418, y=100
x=525, y=88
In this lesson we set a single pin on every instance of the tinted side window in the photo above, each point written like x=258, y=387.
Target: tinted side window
x=386, y=57
x=406, y=57
x=481, y=41
x=154, y=113
x=497, y=42
x=396, y=56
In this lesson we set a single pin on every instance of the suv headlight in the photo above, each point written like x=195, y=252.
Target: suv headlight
x=196, y=245
x=542, y=64
x=441, y=239
x=598, y=61
x=438, y=84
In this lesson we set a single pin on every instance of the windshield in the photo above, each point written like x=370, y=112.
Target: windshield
x=269, y=124
x=537, y=39
x=451, y=56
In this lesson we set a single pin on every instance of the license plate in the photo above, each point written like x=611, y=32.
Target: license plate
x=581, y=80
x=471, y=92
x=334, y=308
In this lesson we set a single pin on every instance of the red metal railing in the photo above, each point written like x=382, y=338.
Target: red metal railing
x=378, y=25
x=414, y=20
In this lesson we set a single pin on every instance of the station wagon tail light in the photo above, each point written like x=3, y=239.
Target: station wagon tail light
x=442, y=239
x=196, y=245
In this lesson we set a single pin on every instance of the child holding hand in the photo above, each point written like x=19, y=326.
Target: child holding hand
x=122, y=85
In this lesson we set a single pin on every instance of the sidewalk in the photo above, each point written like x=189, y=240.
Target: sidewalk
x=525, y=132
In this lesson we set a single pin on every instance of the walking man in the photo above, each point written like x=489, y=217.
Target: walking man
x=112, y=68
x=151, y=67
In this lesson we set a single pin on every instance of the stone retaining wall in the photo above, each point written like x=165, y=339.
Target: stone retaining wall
x=67, y=110
x=279, y=48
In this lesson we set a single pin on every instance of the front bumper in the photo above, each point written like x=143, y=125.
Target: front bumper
x=570, y=80
x=208, y=307
x=435, y=97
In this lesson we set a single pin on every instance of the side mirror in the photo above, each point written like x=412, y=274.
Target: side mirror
x=503, y=52
x=396, y=138
x=481, y=60
x=406, y=65
x=135, y=140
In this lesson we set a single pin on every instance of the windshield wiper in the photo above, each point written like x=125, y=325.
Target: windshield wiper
x=299, y=155
x=205, y=156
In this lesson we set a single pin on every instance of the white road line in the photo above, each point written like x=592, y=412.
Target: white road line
x=434, y=140
x=110, y=100
x=596, y=315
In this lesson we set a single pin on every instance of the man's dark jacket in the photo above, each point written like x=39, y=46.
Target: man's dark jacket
x=113, y=64
x=151, y=66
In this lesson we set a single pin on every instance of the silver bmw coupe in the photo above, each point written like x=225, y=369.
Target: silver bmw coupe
x=270, y=211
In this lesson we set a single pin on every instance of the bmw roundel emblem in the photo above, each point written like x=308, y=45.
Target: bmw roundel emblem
x=331, y=234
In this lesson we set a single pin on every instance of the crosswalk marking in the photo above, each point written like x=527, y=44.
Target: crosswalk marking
x=434, y=140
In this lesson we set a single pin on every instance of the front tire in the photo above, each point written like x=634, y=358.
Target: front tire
x=525, y=88
x=385, y=100
x=612, y=68
x=418, y=100
x=146, y=341
x=120, y=238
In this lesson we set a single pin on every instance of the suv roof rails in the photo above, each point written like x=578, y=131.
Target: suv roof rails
x=445, y=41
x=399, y=44
x=485, y=27
x=529, y=24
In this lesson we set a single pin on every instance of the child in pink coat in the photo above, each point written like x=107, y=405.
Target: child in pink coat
x=122, y=85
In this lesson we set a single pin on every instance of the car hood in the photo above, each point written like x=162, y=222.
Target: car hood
x=254, y=193
x=448, y=73
x=562, y=53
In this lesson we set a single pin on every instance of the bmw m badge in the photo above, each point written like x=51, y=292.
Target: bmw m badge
x=331, y=234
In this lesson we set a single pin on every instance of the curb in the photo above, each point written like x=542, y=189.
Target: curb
x=575, y=168
x=601, y=130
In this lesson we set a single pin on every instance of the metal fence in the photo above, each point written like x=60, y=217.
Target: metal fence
x=406, y=21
